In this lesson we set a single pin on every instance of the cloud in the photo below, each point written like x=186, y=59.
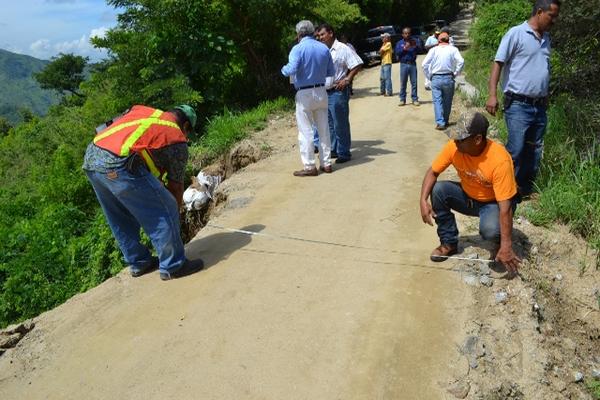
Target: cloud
x=99, y=32
x=44, y=48
x=40, y=47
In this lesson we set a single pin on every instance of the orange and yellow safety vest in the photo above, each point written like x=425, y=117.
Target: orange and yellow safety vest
x=140, y=131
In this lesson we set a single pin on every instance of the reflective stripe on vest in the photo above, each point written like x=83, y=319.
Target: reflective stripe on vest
x=152, y=167
x=144, y=124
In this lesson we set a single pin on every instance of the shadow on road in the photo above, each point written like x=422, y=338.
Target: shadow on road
x=364, y=151
x=215, y=248
x=364, y=92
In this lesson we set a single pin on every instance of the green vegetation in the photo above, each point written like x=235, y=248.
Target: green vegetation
x=18, y=89
x=568, y=181
x=225, y=130
x=64, y=74
x=593, y=386
x=5, y=126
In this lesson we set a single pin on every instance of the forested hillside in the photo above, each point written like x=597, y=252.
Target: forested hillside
x=19, y=90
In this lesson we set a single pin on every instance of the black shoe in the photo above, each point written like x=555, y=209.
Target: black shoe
x=148, y=268
x=333, y=154
x=189, y=267
x=342, y=160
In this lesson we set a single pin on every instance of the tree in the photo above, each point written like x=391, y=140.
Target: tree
x=223, y=53
x=5, y=126
x=26, y=114
x=64, y=74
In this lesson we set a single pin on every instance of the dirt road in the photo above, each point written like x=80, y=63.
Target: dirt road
x=273, y=318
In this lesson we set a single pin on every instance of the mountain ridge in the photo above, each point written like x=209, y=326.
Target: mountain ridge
x=19, y=90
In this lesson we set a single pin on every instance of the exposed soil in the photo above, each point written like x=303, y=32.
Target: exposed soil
x=535, y=332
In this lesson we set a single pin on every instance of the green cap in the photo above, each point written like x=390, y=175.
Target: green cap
x=189, y=113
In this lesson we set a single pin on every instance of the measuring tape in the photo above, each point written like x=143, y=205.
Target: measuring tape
x=289, y=237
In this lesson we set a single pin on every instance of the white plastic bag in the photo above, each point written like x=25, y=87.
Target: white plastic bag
x=200, y=191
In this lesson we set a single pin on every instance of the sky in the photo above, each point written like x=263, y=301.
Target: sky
x=45, y=28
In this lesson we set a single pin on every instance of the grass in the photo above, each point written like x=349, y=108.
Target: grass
x=477, y=72
x=593, y=386
x=223, y=131
x=570, y=172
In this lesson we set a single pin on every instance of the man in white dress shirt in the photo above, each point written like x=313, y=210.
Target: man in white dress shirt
x=346, y=63
x=441, y=65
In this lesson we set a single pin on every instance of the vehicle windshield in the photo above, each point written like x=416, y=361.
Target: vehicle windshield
x=376, y=32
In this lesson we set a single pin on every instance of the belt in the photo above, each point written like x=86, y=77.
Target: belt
x=333, y=89
x=447, y=73
x=533, y=101
x=311, y=86
x=407, y=62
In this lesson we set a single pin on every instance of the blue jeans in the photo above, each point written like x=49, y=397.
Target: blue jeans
x=442, y=91
x=408, y=71
x=131, y=200
x=526, y=126
x=447, y=196
x=339, y=121
x=385, y=77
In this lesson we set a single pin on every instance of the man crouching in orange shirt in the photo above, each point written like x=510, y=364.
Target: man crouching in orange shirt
x=487, y=189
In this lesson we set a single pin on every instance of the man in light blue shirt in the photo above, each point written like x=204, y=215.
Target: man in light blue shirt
x=309, y=65
x=523, y=60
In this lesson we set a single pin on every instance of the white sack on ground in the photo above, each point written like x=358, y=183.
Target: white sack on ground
x=200, y=191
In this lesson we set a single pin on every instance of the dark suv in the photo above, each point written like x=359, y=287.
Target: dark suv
x=368, y=49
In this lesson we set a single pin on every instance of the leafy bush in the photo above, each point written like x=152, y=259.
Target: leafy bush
x=494, y=20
